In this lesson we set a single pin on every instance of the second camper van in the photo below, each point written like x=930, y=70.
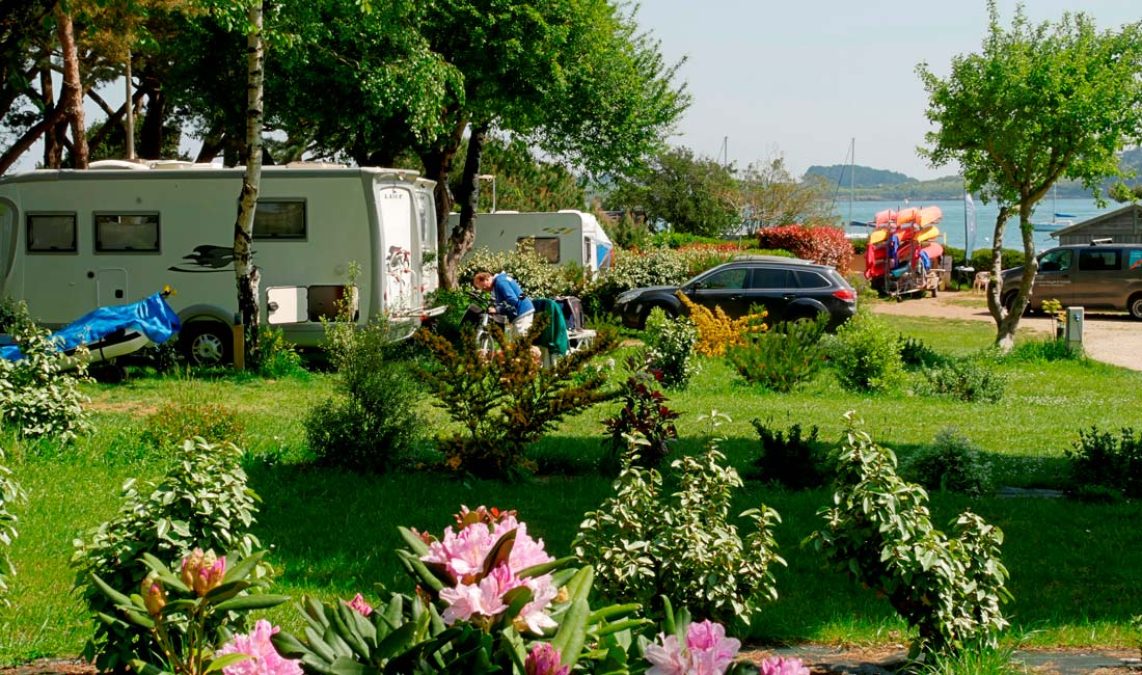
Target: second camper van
x=560, y=237
x=71, y=241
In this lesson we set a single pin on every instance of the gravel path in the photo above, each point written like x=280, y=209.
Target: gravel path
x=1110, y=337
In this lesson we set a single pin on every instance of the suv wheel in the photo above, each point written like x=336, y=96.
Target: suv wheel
x=1135, y=306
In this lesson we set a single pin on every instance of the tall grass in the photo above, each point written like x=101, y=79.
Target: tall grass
x=1074, y=566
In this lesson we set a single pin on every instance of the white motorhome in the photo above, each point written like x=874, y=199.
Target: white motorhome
x=71, y=241
x=560, y=237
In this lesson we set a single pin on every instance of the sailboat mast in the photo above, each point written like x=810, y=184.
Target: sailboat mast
x=852, y=176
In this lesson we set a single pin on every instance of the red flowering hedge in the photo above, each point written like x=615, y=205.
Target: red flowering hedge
x=821, y=244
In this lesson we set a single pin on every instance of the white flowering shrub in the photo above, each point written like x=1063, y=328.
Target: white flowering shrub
x=670, y=348
x=538, y=277
x=38, y=397
x=10, y=493
x=644, y=544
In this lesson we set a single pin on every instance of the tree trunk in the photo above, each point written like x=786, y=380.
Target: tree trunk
x=464, y=234
x=437, y=166
x=53, y=143
x=71, y=98
x=245, y=271
x=151, y=133
x=1007, y=320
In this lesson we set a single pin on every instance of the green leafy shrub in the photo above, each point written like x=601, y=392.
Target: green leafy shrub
x=10, y=493
x=1043, y=351
x=880, y=533
x=456, y=301
x=644, y=544
x=177, y=421
x=38, y=397
x=972, y=379
x=277, y=357
x=916, y=354
x=505, y=401
x=953, y=463
x=866, y=355
x=783, y=357
x=789, y=458
x=202, y=501
x=644, y=414
x=981, y=259
x=371, y=422
x=670, y=348
x=1113, y=461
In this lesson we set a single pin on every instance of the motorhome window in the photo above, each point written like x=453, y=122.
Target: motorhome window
x=51, y=233
x=545, y=247
x=279, y=219
x=1099, y=259
x=126, y=233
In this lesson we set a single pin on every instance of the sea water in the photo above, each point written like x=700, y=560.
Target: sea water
x=1069, y=212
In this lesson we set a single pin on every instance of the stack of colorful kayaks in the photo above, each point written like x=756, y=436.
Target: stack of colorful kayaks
x=903, y=240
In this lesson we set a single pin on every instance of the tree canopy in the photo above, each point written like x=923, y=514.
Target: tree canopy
x=1036, y=104
x=695, y=195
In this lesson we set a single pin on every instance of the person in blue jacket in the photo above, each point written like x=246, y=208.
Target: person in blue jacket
x=508, y=299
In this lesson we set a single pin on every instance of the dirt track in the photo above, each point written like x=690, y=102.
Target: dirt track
x=1107, y=336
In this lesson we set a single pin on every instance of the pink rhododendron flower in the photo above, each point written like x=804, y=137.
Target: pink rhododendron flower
x=668, y=658
x=543, y=659
x=485, y=598
x=778, y=665
x=359, y=605
x=462, y=555
x=707, y=651
x=710, y=650
x=264, y=659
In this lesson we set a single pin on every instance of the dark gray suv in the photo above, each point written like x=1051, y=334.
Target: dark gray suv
x=1094, y=276
x=788, y=289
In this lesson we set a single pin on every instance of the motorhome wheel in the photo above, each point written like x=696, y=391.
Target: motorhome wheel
x=207, y=344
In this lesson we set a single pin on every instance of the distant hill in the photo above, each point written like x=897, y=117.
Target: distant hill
x=863, y=176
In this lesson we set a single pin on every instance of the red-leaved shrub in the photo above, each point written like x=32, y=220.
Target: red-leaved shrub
x=822, y=244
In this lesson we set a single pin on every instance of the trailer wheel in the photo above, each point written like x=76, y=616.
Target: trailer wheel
x=207, y=343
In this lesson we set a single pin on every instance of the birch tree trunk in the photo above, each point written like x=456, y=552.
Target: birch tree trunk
x=244, y=269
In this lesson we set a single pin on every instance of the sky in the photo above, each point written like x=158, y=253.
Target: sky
x=804, y=79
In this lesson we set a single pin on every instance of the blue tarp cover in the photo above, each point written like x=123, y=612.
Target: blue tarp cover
x=152, y=317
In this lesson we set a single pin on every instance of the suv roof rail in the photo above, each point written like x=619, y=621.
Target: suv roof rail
x=1101, y=240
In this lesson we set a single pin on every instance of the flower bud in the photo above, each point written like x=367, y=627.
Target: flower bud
x=543, y=659
x=154, y=597
x=190, y=567
x=359, y=605
x=203, y=572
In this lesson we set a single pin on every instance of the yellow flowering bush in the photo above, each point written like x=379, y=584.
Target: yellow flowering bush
x=717, y=331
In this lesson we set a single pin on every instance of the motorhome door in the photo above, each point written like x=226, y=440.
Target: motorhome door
x=7, y=242
x=397, y=220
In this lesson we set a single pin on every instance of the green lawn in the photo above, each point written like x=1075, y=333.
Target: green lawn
x=1075, y=567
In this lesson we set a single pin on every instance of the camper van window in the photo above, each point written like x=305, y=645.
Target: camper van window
x=280, y=219
x=545, y=247
x=126, y=233
x=51, y=233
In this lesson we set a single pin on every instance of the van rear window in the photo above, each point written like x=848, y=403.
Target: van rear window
x=279, y=219
x=126, y=233
x=51, y=233
x=1100, y=259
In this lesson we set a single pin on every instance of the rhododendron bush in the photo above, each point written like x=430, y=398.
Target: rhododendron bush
x=488, y=598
